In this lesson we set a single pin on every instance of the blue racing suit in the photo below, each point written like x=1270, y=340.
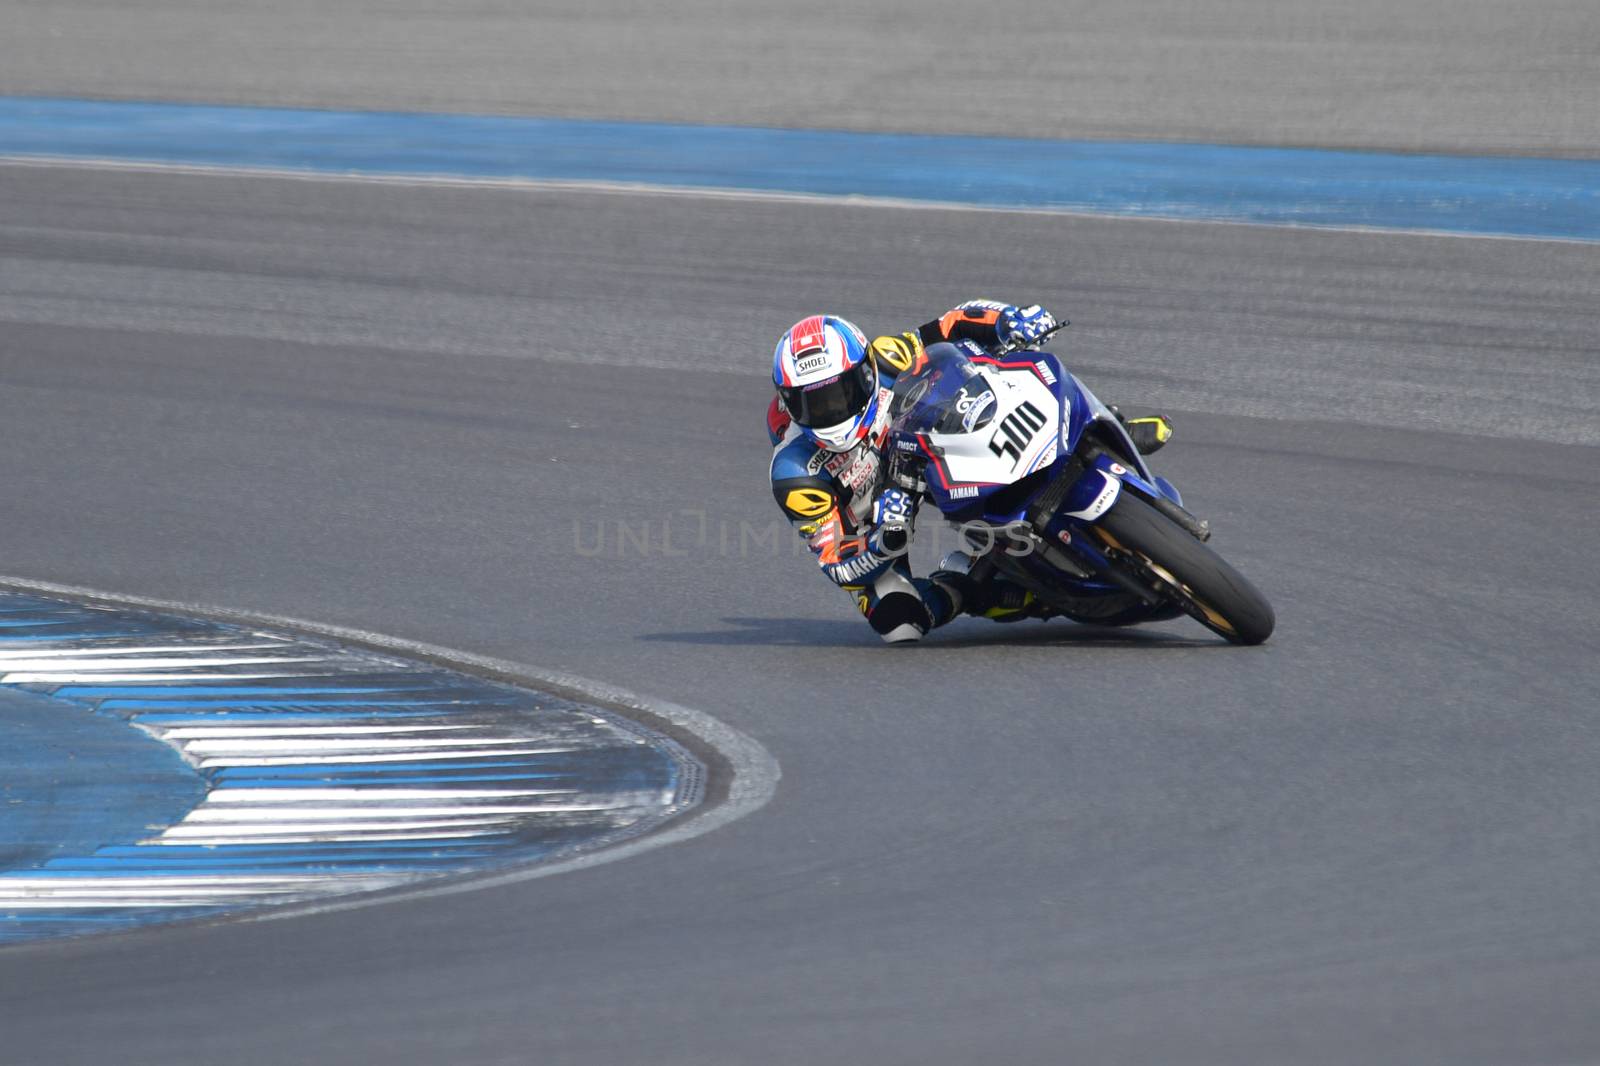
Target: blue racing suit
x=829, y=496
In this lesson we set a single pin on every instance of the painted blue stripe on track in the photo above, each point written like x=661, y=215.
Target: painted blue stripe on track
x=37, y=623
x=168, y=704
x=108, y=691
x=112, y=870
x=49, y=806
x=1458, y=194
x=56, y=636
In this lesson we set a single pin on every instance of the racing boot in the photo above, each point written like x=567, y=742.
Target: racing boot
x=1004, y=602
x=1150, y=433
x=997, y=599
x=952, y=577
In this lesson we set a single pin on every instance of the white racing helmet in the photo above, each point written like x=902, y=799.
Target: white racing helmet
x=826, y=381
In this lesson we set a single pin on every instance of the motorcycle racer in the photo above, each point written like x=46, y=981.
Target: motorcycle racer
x=828, y=425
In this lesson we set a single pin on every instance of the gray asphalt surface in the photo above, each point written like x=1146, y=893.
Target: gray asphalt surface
x=1371, y=840
x=1445, y=75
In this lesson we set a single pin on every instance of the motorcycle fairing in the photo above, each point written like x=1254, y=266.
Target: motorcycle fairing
x=981, y=423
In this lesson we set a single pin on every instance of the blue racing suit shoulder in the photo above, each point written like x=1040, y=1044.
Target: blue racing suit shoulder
x=791, y=458
x=805, y=493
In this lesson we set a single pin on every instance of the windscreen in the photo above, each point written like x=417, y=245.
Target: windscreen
x=949, y=395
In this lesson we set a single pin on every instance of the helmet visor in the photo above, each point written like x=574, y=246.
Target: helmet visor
x=830, y=402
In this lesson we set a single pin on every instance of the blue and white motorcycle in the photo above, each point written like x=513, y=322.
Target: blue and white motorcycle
x=1052, y=495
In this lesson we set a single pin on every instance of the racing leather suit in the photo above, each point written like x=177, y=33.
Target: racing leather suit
x=828, y=496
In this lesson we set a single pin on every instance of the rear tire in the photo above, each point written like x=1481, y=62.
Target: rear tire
x=1191, y=574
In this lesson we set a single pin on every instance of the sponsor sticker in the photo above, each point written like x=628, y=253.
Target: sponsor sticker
x=856, y=469
x=1102, y=502
x=858, y=567
x=973, y=408
x=808, y=503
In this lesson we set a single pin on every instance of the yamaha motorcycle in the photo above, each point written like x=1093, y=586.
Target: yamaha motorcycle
x=1051, y=494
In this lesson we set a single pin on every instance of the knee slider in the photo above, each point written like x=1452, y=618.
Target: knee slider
x=899, y=617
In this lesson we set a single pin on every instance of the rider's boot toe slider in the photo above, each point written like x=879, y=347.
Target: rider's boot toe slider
x=1149, y=434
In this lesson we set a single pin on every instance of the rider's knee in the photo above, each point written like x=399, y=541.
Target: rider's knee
x=900, y=618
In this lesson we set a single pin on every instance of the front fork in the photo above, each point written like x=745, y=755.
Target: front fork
x=1059, y=527
x=1055, y=528
x=1104, y=479
x=1064, y=517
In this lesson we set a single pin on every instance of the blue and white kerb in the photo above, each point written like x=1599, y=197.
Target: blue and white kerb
x=326, y=769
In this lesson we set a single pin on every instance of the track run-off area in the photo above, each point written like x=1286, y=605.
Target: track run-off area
x=524, y=422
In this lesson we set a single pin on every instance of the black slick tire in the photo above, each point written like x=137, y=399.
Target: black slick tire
x=1198, y=579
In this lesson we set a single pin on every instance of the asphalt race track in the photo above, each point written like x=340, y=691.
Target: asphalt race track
x=527, y=424
x=424, y=411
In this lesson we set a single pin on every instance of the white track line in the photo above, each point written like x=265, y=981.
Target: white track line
x=65, y=678
x=223, y=838
x=7, y=655
x=183, y=829
x=30, y=883
x=376, y=794
x=422, y=747
x=211, y=762
x=95, y=662
x=249, y=732
x=284, y=816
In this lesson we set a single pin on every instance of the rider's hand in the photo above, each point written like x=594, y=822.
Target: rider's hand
x=1022, y=326
x=892, y=515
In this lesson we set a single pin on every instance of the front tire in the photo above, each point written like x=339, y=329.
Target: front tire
x=1191, y=575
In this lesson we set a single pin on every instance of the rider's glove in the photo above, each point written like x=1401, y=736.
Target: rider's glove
x=1022, y=326
x=892, y=515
